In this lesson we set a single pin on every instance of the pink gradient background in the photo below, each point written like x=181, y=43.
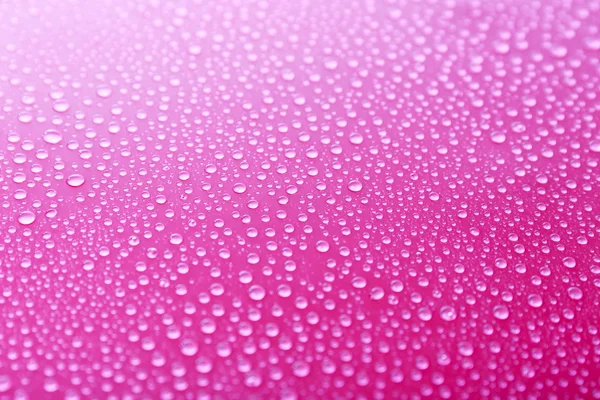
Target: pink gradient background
x=299, y=199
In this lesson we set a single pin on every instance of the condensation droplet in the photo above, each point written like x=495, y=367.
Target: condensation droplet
x=52, y=136
x=26, y=218
x=355, y=186
x=75, y=180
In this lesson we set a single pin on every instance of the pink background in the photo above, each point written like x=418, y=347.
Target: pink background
x=299, y=199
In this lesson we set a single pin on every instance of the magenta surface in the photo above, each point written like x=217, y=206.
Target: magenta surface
x=299, y=199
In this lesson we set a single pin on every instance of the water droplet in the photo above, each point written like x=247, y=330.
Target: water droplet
x=104, y=91
x=498, y=137
x=501, y=312
x=322, y=246
x=52, y=136
x=448, y=313
x=75, y=180
x=257, y=292
x=355, y=186
x=176, y=238
x=239, y=188
x=575, y=293
x=569, y=262
x=301, y=369
x=534, y=300
x=26, y=218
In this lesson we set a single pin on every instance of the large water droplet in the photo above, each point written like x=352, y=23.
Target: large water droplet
x=52, y=136
x=75, y=180
x=355, y=186
x=26, y=218
x=498, y=137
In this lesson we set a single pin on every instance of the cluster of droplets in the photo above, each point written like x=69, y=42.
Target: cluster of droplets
x=291, y=200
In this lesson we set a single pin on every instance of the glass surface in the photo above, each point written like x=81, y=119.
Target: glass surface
x=239, y=199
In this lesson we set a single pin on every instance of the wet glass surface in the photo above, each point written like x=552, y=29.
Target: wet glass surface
x=299, y=199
